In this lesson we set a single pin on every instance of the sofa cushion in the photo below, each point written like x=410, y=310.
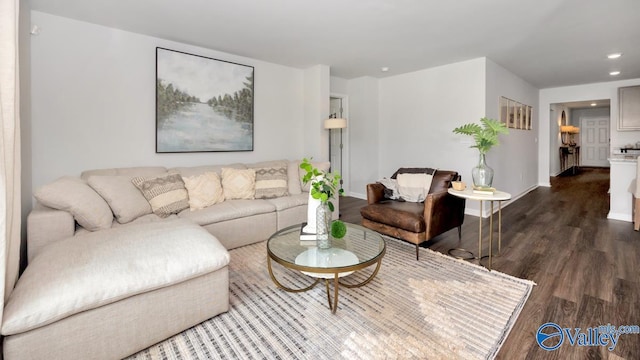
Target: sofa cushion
x=404, y=215
x=271, y=180
x=128, y=172
x=91, y=270
x=199, y=170
x=238, y=183
x=287, y=202
x=75, y=196
x=204, y=190
x=166, y=194
x=293, y=175
x=124, y=199
x=228, y=210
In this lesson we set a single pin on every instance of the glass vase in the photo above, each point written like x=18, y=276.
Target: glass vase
x=482, y=174
x=323, y=226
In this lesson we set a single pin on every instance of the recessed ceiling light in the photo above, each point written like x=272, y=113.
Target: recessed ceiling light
x=593, y=104
x=614, y=55
x=614, y=73
x=384, y=69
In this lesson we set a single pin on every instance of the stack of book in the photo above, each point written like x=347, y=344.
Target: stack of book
x=483, y=190
x=306, y=237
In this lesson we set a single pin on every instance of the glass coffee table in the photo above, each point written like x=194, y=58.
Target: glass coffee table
x=357, y=250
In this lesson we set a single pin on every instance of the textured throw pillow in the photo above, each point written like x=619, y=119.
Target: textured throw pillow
x=204, y=190
x=166, y=194
x=271, y=182
x=238, y=183
x=75, y=196
x=124, y=199
x=414, y=187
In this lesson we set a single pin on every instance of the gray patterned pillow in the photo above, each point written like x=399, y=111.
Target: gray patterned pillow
x=271, y=182
x=166, y=194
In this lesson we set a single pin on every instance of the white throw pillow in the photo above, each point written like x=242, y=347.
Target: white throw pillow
x=238, y=183
x=75, y=196
x=204, y=190
x=125, y=200
x=414, y=187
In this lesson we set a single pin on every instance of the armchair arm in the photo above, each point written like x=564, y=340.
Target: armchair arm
x=375, y=193
x=442, y=212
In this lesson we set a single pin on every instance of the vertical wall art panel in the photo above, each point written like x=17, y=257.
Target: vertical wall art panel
x=202, y=104
x=515, y=114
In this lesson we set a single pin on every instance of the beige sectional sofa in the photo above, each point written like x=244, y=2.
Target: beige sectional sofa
x=108, y=276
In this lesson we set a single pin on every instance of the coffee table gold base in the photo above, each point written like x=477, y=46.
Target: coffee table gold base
x=333, y=305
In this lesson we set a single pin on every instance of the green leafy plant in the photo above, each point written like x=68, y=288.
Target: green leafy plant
x=486, y=136
x=324, y=186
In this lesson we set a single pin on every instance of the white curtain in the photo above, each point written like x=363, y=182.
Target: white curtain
x=9, y=148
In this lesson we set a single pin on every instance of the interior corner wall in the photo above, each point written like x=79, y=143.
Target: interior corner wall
x=595, y=91
x=363, y=134
x=515, y=160
x=316, y=110
x=93, y=102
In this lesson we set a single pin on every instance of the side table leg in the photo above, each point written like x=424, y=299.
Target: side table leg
x=499, y=227
x=336, y=286
x=490, y=234
x=480, y=233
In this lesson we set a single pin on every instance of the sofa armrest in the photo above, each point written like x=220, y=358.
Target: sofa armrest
x=442, y=212
x=46, y=225
x=375, y=193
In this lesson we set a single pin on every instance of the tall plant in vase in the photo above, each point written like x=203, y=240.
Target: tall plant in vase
x=324, y=188
x=485, y=135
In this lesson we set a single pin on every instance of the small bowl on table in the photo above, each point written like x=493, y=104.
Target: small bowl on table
x=458, y=185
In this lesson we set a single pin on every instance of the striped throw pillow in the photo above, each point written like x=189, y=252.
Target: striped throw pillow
x=166, y=194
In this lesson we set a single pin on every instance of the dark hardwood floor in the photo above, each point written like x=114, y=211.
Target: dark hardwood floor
x=586, y=267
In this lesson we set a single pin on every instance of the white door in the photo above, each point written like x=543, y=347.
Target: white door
x=594, y=142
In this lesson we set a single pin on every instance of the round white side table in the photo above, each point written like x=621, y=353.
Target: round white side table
x=497, y=196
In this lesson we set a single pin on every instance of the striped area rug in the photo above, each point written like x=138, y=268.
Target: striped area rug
x=435, y=308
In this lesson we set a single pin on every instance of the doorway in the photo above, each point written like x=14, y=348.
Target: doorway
x=338, y=140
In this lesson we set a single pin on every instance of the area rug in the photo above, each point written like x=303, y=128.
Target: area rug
x=435, y=308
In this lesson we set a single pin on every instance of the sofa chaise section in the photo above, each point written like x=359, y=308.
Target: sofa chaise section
x=108, y=294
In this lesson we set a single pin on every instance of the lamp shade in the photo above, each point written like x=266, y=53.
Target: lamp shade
x=566, y=128
x=333, y=123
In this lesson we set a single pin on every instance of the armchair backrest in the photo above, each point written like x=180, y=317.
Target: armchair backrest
x=442, y=180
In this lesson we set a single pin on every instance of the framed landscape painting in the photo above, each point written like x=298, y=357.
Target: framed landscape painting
x=202, y=104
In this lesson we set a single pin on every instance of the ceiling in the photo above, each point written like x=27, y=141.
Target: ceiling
x=548, y=43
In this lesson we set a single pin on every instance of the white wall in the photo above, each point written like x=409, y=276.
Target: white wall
x=515, y=160
x=316, y=110
x=93, y=102
x=363, y=135
x=418, y=112
x=605, y=90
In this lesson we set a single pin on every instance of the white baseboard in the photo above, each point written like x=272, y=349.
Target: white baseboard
x=619, y=216
x=358, y=195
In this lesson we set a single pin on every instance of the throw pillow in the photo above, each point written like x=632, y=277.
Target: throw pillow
x=271, y=182
x=238, y=183
x=124, y=199
x=204, y=190
x=414, y=187
x=75, y=196
x=166, y=194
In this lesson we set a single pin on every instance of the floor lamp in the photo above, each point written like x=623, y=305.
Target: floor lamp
x=336, y=123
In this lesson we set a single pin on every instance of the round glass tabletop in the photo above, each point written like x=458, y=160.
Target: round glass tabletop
x=359, y=248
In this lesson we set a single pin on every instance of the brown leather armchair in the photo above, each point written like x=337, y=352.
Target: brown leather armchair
x=415, y=222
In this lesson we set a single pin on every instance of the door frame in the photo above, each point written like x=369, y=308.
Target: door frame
x=345, y=141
